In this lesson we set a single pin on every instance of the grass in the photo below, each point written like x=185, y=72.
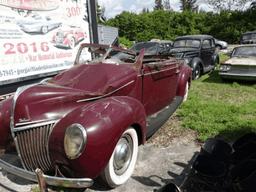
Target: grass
x=219, y=109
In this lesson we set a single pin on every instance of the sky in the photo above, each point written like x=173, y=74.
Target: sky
x=115, y=7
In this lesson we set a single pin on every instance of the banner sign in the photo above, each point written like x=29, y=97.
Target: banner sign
x=40, y=37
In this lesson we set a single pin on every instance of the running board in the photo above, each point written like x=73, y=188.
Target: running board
x=155, y=121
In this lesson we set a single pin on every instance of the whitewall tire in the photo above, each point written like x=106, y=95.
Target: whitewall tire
x=122, y=162
x=185, y=97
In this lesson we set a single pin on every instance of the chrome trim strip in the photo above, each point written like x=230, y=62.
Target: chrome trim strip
x=50, y=180
x=238, y=74
x=34, y=124
x=6, y=96
x=106, y=95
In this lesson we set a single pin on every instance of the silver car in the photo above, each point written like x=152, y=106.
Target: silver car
x=241, y=65
x=38, y=24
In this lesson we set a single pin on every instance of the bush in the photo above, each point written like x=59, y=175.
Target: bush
x=160, y=24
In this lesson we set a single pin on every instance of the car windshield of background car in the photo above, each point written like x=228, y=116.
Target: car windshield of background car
x=245, y=51
x=187, y=43
x=247, y=36
x=150, y=47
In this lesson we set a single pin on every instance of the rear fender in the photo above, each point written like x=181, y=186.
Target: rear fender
x=185, y=76
x=104, y=120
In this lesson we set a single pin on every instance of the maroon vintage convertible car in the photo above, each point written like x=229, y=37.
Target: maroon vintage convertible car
x=88, y=121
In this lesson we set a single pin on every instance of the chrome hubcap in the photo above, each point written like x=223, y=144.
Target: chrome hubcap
x=123, y=154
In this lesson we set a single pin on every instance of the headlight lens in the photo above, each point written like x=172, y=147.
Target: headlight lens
x=75, y=140
x=225, y=67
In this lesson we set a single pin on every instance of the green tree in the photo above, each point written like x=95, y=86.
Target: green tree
x=188, y=5
x=167, y=5
x=228, y=5
x=158, y=5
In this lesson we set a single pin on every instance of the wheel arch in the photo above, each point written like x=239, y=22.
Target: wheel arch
x=197, y=61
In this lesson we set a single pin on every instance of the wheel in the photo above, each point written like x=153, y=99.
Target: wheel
x=72, y=43
x=44, y=29
x=185, y=97
x=122, y=162
x=196, y=72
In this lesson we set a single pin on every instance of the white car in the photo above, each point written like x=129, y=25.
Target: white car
x=38, y=24
x=241, y=65
x=220, y=44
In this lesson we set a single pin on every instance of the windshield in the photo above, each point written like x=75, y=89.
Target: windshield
x=249, y=36
x=187, y=43
x=244, y=51
x=105, y=54
x=150, y=47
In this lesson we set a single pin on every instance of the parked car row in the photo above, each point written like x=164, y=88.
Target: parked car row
x=198, y=51
x=88, y=121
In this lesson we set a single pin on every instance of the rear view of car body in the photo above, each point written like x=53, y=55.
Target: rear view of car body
x=248, y=38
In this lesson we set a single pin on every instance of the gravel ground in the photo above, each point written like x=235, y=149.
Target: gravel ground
x=166, y=157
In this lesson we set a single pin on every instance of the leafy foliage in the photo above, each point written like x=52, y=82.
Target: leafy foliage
x=161, y=24
x=228, y=4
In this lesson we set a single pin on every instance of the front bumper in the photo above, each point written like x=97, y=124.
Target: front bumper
x=50, y=180
x=238, y=76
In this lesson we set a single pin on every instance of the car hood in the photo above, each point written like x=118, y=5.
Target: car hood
x=54, y=99
x=242, y=61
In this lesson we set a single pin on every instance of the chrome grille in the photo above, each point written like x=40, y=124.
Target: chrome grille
x=243, y=69
x=33, y=149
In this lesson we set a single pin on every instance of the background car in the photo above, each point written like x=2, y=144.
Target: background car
x=248, y=37
x=241, y=65
x=219, y=44
x=68, y=36
x=198, y=51
x=88, y=121
x=153, y=47
x=38, y=24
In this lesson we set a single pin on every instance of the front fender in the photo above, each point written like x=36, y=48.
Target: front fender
x=104, y=120
x=196, y=61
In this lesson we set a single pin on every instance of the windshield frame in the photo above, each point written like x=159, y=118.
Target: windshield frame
x=186, y=42
x=251, y=48
x=105, y=53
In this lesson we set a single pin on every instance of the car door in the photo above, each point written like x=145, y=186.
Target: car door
x=207, y=52
x=159, y=84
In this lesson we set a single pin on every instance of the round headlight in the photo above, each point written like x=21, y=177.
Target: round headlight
x=75, y=140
